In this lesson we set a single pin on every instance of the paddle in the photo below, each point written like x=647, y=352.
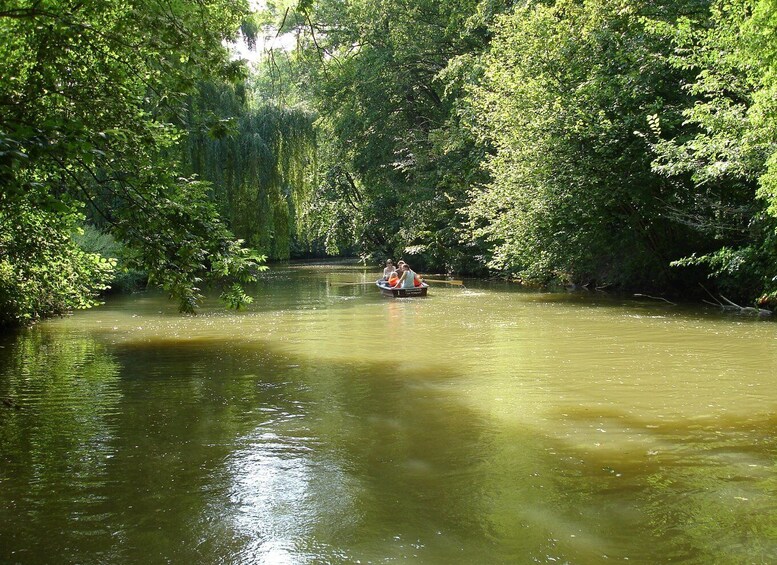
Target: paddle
x=456, y=283
x=453, y=282
x=442, y=281
x=352, y=283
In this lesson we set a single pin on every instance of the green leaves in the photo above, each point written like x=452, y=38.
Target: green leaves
x=96, y=96
x=42, y=271
x=572, y=196
x=390, y=142
x=235, y=297
x=727, y=149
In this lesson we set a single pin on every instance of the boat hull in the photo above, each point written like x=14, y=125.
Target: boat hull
x=417, y=291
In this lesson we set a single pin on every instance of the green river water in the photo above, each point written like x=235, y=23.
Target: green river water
x=329, y=424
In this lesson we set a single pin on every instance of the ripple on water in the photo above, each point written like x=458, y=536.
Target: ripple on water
x=479, y=425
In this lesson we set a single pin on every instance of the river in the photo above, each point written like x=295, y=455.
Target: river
x=329, y=424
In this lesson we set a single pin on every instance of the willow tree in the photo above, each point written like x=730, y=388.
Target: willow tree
x=259, y=159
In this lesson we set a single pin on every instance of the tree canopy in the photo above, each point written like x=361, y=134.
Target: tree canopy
x=93, y=97
x=624, y=144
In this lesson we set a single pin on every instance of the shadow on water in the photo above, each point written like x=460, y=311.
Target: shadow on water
x=701, y=490
x=208, y=452
x=217, y=450
x=633, y=302
x=309, y=462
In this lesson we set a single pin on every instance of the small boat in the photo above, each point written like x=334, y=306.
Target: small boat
x=386, y=290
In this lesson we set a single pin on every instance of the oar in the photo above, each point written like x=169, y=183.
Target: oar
x=352, y=283
x=454, y=282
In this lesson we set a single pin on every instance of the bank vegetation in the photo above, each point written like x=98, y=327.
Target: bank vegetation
x=610, y=143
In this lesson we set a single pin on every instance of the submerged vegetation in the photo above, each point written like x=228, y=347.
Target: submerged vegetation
x=619, y=143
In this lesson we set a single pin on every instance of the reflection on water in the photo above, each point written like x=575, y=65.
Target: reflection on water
x=56, y=448
x=328, y=424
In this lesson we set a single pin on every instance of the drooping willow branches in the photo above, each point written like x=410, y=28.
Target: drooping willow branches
x=260, y=161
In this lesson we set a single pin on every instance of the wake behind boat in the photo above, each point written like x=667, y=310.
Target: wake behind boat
x=387, y=290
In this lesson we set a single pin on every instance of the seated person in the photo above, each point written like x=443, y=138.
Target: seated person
x=390, y=268
x=408, y=278
x=393, y=278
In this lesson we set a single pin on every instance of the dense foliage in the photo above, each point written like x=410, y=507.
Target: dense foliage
x=92, y=97
x=601, y=142
x=395, y=164
x=564, y=98
x=605, y=142
x=728, y=148
x=260, y=159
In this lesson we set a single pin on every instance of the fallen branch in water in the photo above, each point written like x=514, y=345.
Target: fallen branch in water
x=719, y=303
x=656, y=298
x=744, y=309
x=732, y=306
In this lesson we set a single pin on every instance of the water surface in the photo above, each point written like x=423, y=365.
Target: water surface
x=328, y=424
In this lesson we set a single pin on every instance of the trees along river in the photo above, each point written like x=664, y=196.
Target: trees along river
x=93, y=96
x=327, y=423
x=627, y=143
x=624, y=143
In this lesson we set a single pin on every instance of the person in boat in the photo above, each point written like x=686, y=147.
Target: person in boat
x=394, y=277
x=390, y=268
x=408, y=279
